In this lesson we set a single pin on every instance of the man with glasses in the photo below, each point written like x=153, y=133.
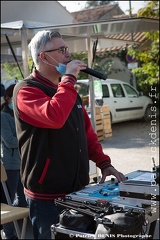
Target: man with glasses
x=56, y=139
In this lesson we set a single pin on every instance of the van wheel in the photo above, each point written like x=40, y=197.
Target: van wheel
x=148, y=113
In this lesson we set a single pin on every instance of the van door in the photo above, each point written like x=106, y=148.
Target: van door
x=117, y=101
x=120, y=102
x=136, y=105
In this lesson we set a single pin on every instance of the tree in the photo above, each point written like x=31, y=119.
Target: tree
x=12, y=71
x=91, y=4
x=147, y=74
x=82, y=56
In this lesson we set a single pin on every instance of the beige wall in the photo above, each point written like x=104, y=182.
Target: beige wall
x=120, y=71
x=36, y=11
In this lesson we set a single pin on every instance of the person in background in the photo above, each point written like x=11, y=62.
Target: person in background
x=10, y=158
x=77, y=87
x=2, y=91
x=56, y=138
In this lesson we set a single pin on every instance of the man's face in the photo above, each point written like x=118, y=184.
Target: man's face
x=59, y=53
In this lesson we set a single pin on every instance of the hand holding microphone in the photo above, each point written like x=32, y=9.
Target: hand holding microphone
x=80, y=66
x=74, y=67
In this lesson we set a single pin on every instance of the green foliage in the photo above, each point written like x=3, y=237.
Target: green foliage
x=83, y=57
x=103, y=64
x=151, y=10
x=147, y=74
x=12, y=70
x=91, y=4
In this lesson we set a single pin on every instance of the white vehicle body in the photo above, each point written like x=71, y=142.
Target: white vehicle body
x=124, y=101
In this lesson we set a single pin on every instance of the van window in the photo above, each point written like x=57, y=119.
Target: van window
x=105, y=91
x=130, y=91
x=117, y=90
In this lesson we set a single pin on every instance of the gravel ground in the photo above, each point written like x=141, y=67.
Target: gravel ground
x=133, y=145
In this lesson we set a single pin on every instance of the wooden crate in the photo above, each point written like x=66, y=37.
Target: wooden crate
x=100, y=135
x=101, y=138
x=99, y=124
x=106, y=115
x=106, y=123
x=108, y=133
x=99, y=127
x=97, y=110
x=107, y=129
x=98, y=117
x=105, y=109
x=99, y=120
x=103, y=122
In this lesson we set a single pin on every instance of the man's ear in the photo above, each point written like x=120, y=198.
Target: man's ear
x=43, y=56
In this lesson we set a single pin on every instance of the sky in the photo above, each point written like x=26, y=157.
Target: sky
x=73, y=6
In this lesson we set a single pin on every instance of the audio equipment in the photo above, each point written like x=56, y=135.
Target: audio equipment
x=120, y=210
x=139, y=188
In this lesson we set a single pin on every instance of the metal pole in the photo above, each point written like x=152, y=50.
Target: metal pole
x=130, y=15
x=130, y=9
x=24, y=45
x=91, y=84
x=9, y=43
x=134, y=76
x=134, y=81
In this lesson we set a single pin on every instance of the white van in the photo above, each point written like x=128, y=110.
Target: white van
x=124, y=101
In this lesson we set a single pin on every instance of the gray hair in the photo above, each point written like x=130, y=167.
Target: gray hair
x=39, y=41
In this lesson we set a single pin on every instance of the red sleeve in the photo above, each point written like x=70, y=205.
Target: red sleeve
x=94, y=147
x=40, y=110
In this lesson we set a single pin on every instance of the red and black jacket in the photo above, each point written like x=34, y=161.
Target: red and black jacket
x=56, y=139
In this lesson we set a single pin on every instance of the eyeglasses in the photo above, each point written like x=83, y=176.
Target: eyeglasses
x=63, y=50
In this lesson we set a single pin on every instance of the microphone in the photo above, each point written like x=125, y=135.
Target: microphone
x=94, y=73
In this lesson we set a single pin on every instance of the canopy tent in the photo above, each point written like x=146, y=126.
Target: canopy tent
x=79, y=37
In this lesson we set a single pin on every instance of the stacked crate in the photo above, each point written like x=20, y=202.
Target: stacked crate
x=106, y=121
x=103, y=122
x=99, y=124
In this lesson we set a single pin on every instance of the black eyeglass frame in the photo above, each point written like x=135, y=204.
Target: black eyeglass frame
x=62, y=49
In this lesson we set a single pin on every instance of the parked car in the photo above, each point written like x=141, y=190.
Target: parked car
x=124, y=101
